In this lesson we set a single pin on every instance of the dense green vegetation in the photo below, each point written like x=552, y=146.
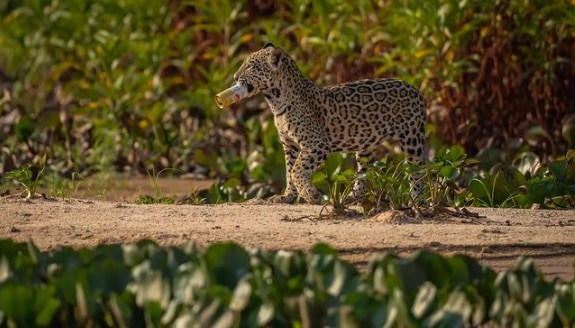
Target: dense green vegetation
x=101, y=86
x=226, y=285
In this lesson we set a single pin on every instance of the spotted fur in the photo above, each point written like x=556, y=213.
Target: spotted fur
x=313, y=121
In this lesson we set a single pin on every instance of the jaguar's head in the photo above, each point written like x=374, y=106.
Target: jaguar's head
x=260, y=69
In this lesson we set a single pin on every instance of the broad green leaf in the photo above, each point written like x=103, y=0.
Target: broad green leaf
x=16, y=302
x=46, y=306
x=458, y=303
x=445, y=319
x=559, y=170
x=265, y=314
x=123, y=310
x=449, y=172
x=339, y=178
x=459, y=273
x=5, y=272
x=566, y=303
x=153, y=311
x=323, y=249
x=149, y=285
x=319, y=178
x=226, y=320
x=344, y=280
x=227, y=263
x=333, y=164
x=545, y=312
x=437, y=267
x=241, y=296
x=454, y=153
x=425, y=300
x=528, y=162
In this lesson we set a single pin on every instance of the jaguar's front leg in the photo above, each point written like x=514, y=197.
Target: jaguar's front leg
x=307, y=162
x=290, y=194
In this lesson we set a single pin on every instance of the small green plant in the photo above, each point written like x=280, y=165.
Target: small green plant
x=229, y=190
x=527, y=183
x=494, y=190
x=25, y=177
x=388, y=183
x=158, y=197
x=336, y=179
x=147, y=200
x=77, y=179
x=554, y=185
x=194, y=198
x=57, y=185
x=442, y=176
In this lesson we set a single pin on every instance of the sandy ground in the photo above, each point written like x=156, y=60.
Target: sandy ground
x=496, y=238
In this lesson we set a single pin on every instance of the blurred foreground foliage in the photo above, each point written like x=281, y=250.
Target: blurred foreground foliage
x=101, y=86
x=225, y=285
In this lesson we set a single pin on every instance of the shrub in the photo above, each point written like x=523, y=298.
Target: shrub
x=226, y=285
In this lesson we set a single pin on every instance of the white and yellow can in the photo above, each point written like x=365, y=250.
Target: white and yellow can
x=231, y=95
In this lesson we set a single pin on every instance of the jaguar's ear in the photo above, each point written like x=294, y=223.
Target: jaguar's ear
x=275, y=58
x=269, y=45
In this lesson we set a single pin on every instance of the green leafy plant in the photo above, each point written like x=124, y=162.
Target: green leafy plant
x=442, y=177
x=77, y=180
x=551, y=186
x=57, y=186
x=388, y=183
x=554, y=185
x=195, y=197
x=230, y=286
x=336, y=179
x=27, y=178
x=158, y=197
x=498, y=190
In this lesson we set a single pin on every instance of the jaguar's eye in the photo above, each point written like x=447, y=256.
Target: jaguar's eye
x=250, y=87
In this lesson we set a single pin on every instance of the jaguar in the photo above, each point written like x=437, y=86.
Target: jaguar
x=313, y=121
